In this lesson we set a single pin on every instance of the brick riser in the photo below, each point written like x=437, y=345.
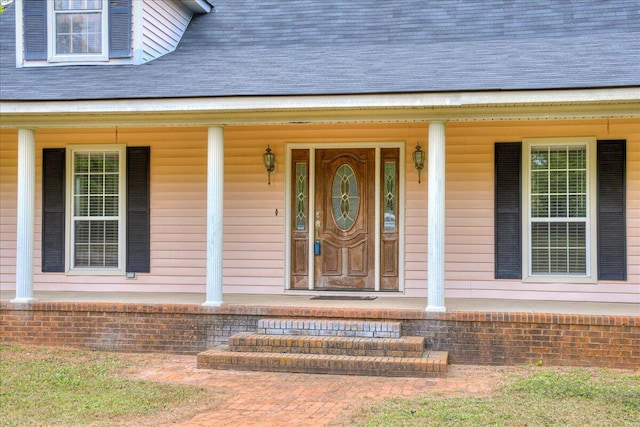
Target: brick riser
x=431, y=364
x=342, y=346
x=332, y=328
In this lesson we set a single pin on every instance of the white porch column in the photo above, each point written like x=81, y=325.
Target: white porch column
x=26, y=213
x=436, y=220
x=215, y=181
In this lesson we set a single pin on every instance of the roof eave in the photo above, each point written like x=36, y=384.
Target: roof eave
x=458, y=106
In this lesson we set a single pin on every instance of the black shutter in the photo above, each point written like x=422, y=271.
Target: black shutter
x=508, y=206
x=612, y=242
x=119, y=28
x=138, y=209
x=35, y=29
x=53, y=208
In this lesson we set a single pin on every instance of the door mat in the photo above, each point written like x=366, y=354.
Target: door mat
x=342, y=298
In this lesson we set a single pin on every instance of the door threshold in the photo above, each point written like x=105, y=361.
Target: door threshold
x=343, y=298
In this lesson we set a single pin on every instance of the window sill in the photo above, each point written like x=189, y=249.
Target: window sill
x=586, y=280
x=95, y=272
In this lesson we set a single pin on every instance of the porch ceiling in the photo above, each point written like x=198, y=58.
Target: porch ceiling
x=463, y=106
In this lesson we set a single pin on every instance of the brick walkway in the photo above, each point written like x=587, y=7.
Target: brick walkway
x=282, y=399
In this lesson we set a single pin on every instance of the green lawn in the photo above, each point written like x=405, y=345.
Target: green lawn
x=62, y=387
x=532, y=397
x=42, y=386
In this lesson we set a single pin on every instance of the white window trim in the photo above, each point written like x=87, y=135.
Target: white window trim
x=51, y=39
x=591, y=224
x=69, y=235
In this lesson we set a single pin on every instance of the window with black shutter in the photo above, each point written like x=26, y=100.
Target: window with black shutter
x=72, y=31
x=88, y=195
x=556, y=208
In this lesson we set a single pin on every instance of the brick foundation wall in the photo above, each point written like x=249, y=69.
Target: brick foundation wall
x=470, y=337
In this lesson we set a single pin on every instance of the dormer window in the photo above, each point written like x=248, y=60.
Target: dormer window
x=78, y=30
x=100, y=32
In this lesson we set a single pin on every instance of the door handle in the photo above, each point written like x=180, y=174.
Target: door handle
x=316, y=244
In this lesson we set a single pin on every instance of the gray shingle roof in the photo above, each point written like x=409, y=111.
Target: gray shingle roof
x=311, y=47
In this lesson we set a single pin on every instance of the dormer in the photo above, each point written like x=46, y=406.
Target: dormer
x=100, y=32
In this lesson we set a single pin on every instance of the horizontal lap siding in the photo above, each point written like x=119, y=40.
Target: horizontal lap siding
x=164, y=24
x=254, y=239
x=178, y=209
x=8, y=206
x=469, y=233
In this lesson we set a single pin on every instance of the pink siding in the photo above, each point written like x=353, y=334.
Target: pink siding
x=470, y=256
x=8, y=204
x=254, y=239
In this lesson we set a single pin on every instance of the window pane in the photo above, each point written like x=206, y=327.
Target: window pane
x=577, y=158
x=96, y=256
x=82, y=163
x=558, y=190
x=82, y=185
x=345, y=198
x=540, y=182
x=301, y=196
x=82, y=232
x=111, y=184
x=97, y=231
x=96, y=206
x=558, y=158
x=540, y=235
x=558, y=235
x=558, y=260
x=78, y=33
x=390, y=196
x=558, y=248
x=96, y=163
x=540, y=260
x=539, y=158
x=81, y=258
x=111, y=206
x=540, y=206
x=558, y=182
x=96, y=238
x=558, y=206
x=577, y=259
x=96, y=184
x=81, y=206
x=111, y=162
x=111, y=255
x=78, y=4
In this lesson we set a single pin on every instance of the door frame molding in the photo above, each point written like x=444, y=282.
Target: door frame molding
x=312, y=147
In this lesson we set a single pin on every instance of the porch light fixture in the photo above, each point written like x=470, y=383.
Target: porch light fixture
x=269, y=163
x=418, y=160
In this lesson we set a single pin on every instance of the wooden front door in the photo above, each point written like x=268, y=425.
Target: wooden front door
x=344, y=219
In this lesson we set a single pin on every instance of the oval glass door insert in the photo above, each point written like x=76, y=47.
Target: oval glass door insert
x=344, y=197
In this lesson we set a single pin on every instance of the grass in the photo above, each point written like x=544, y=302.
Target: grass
x=45, y=386
x=534, y=397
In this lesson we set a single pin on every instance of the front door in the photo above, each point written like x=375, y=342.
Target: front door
x=344, y=219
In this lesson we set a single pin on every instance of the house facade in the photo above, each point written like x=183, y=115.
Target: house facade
x=308, y=148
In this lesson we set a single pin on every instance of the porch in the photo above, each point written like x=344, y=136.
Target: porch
x=478, y=331
x=307, y=300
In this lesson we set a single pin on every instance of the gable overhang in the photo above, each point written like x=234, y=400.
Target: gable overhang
x=263, y=110
x=198, y=6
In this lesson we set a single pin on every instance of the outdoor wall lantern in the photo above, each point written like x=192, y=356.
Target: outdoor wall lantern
x=418, y=160
x=269, y=163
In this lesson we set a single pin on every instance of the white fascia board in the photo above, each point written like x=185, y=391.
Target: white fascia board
x=463, y=106
x=197, y=6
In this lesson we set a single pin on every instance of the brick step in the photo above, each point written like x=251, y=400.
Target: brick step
x=307, y=344
x=431, y=364
x=330, y=327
